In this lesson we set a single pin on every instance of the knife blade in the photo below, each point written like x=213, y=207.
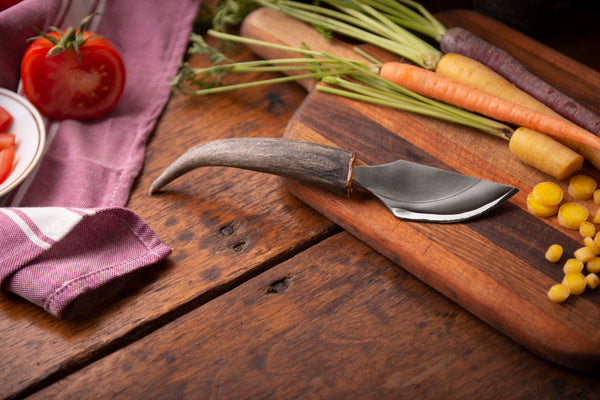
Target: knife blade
x=410, y=190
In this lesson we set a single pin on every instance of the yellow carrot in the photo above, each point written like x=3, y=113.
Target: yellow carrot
x=473, y=73
x=548, y=193
x=436, y=86
x=571, y=215
x=582, y=187
x=542, y=152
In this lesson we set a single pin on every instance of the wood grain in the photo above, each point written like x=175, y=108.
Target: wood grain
x=224, y=225
x=493, y=266
x=338, y=321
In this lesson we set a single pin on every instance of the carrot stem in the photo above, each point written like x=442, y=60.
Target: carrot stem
x=369, y=26
x=364, y=82
x=389, y=99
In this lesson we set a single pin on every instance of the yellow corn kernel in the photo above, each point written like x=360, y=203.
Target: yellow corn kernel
x=597, y=238
x=592, y=280
x=597, y=196
x=592, y=245
x=548, y=193
x=593, y=265
x=571, y=215
x=582, y=187
x=587, y=229
x=554, y=253
x=572, y=265
x=596, y=218
x=558, y=293
x=576, y=283
x=583, y=254
x=538, y=209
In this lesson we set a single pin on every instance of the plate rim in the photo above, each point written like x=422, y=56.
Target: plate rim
x=41, y=136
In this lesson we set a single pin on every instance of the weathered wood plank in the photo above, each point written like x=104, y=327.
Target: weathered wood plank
x=224, y=225
x=336, y=321
x=494, y=266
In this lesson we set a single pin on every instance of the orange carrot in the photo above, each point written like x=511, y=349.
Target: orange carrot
x=433, y=85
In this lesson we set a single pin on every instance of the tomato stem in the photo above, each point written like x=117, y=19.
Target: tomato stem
x=62, y=44
x=70, y=38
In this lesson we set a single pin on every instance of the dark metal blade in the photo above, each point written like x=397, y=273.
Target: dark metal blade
x=421, y=193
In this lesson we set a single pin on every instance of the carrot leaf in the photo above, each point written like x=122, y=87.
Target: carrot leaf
x=342, y=77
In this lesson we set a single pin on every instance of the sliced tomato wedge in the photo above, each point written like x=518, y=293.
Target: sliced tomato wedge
x=5, y=119
x=6, y=140
x=7, y=157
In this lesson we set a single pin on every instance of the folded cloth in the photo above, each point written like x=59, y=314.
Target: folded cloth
x=51, y=256
x=89, y=166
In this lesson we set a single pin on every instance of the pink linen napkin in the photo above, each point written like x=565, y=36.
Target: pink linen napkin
x=51, y=256
x=84, y=179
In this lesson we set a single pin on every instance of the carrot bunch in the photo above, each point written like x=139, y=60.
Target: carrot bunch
x=389, y=23
x=320, y=66
x=439, y=87
x=410, y=87
x=380, y=22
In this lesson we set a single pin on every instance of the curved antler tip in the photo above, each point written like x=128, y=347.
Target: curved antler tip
x=158, y=184
x=154, y=188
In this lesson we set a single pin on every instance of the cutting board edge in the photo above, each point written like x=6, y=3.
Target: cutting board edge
x=547, y=340
x=580, y=354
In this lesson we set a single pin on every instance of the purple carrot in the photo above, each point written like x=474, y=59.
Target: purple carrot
x=461, y=41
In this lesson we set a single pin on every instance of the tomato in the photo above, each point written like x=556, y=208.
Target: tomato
x=6, y=140
x=5, y=119
x=61, y=87
x=7, y=156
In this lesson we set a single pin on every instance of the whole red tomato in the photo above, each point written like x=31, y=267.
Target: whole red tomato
x=84, y=80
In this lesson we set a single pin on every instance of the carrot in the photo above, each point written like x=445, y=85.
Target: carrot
x=544, y=153
x=461, y=41
x=386, y=23
x=433, y=85
x=473, y=73
x=547, y=155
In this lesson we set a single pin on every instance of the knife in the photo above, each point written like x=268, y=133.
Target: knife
x=410, y=190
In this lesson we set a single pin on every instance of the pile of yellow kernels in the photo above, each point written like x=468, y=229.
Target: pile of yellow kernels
x=581, y=270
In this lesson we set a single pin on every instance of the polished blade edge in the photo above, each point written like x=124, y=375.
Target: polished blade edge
x=451, y=218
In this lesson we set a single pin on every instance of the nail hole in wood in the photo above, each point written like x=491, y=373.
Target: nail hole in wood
x=279, y=286
x=276, y=103
x=227, y=229
x=239, y=245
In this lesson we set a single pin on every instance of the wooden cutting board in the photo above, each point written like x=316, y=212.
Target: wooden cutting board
x=493, y=266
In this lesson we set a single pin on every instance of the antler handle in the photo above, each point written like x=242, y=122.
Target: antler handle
x=324, y=166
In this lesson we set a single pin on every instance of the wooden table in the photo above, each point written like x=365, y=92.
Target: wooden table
x=262, y=298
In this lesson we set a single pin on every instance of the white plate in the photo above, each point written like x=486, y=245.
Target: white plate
x=30, y=136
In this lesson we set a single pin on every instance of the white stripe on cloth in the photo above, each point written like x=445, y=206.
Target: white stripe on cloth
x=52, y=222
x=31, y=235
x=55, y=222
